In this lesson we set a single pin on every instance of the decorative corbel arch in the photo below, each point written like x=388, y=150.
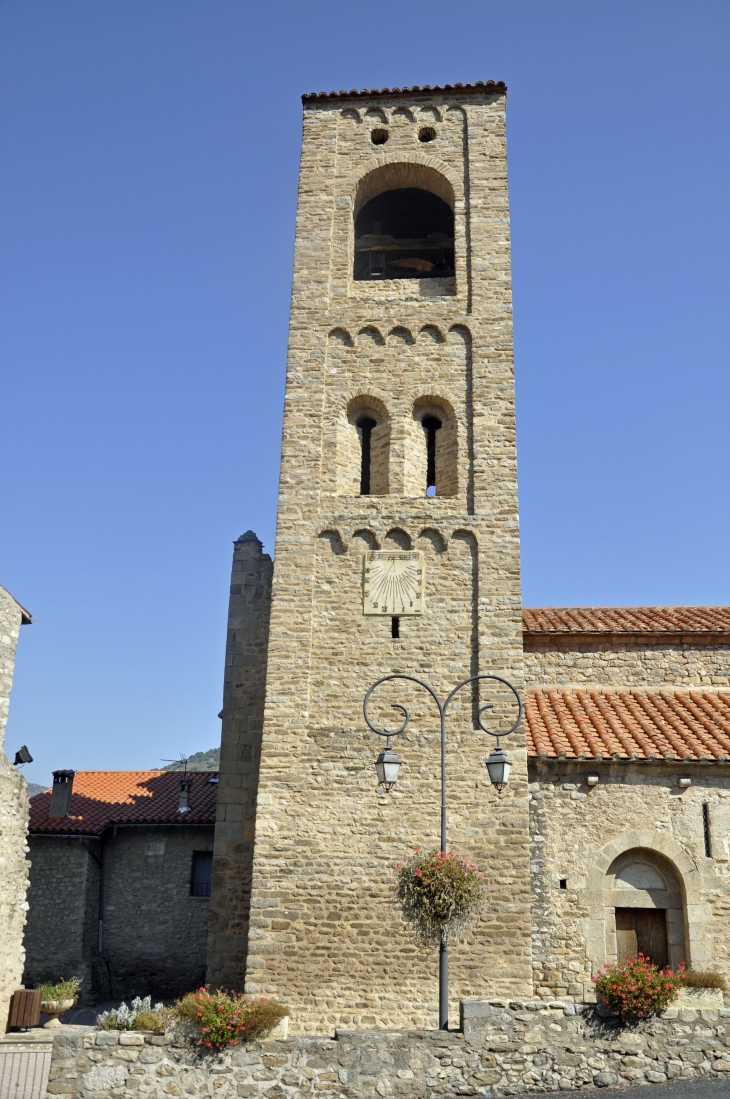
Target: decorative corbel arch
x=341, y=336
x=431, y=333
x=370, y=334
x=398, y=537
x=400, y=335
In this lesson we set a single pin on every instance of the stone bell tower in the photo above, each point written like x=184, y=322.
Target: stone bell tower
x=398, y=436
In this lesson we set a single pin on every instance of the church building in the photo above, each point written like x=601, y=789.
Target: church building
x=397, y=552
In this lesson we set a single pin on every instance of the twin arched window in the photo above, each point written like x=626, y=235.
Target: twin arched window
x=427, y=450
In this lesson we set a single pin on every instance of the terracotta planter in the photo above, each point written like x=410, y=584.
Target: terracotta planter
x=54, y=1008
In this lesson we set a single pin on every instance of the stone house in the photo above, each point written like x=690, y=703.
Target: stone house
x=120, y=870
x=397, y=554
x=13, y=819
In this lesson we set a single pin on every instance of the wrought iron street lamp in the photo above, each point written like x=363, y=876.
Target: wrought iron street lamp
x=388, y=766
x=498, y=767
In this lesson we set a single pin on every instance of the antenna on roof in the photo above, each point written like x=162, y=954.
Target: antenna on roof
x=180, y=759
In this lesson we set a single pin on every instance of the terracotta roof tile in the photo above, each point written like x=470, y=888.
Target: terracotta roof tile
x=101, y=798
x=556, y=620
x=604, y=724
x=498, y=87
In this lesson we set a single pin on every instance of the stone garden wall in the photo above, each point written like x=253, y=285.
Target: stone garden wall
x=504, y=1048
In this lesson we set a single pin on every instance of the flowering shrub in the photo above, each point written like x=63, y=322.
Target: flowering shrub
x=225, y=1017
x=637, y=988
x=140, y=1016
x=440, y=894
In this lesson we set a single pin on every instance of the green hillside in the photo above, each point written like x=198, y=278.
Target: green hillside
x=199, y=761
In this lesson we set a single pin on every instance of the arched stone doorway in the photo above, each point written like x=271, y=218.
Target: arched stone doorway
x=644, y=906
x=600, y=926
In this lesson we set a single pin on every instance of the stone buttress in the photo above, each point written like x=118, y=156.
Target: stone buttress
x=244, y=686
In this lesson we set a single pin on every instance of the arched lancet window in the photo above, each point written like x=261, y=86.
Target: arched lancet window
x=431, y=425
x=363, y=449
x=365, y=427
x=404, y=224
x=432, y=461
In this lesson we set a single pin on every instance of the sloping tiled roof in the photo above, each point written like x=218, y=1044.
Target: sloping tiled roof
x=554, y=620
x=604, y=724
x=101, y=798
x=498, y=87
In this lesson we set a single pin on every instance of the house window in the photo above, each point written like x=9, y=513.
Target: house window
x=202, y=874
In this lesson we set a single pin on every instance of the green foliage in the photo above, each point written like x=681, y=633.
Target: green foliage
x=440, y=895
x=637, y=988
x=694, y=978
x=199, y=761
x=61, y=990
x=225, y=1018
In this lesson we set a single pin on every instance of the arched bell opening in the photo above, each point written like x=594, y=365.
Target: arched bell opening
x=404, y=224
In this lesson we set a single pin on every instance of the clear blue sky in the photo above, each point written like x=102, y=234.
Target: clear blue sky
x=147, y=193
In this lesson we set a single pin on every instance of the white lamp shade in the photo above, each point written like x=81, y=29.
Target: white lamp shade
x=388, y=767
x=499, y=767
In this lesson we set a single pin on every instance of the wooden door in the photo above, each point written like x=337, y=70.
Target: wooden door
x=642, y=931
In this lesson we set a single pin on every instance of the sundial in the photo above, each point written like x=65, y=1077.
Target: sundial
x=393, y=582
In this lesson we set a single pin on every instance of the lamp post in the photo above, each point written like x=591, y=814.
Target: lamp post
x=388, y=766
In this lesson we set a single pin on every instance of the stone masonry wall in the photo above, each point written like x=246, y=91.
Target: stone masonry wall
x=61, y=931
x=504, y=1048
x=326, y=839
x=13, y=823
x=155, y=932
x=627, y=661
x=244, y=687
x=635, y=806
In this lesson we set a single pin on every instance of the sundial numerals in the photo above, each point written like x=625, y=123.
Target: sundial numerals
x=393, y=582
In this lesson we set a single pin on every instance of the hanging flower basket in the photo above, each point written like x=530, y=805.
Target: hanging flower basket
x=440, y=895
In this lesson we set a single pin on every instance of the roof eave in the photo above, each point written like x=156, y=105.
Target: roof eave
x=494, y=87
x=123, y=824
